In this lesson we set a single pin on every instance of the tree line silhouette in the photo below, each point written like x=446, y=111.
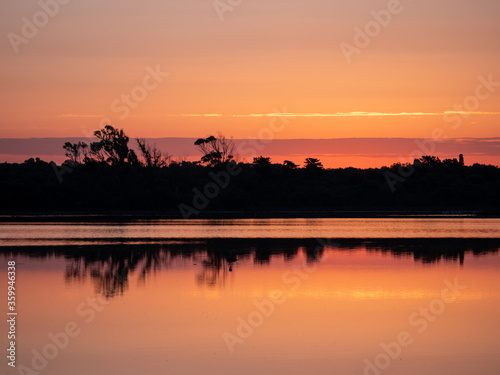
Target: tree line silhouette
x=109, y=175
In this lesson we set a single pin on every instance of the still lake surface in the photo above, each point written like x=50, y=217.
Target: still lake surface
x=266, y=296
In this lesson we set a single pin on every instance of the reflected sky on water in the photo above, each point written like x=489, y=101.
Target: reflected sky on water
x=261, y=305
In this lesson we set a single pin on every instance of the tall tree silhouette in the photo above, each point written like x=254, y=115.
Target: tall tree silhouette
x=313, y=164
x=112, y=147
x=216, y=150
x=152, y=156
x=75, y=151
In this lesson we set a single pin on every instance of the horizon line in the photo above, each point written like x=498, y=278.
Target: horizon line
x=444, y=139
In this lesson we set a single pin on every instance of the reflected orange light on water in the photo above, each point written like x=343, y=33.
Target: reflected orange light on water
x=331, y=314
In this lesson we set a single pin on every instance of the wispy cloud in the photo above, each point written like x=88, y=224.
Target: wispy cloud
x=78, y=115
x=338, y=114
x=355, y=114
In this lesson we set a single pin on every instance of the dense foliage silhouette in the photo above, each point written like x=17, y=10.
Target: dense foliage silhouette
x=111, y=177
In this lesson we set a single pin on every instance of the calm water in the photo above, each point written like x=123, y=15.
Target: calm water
x=15, y=234
x=381, y=296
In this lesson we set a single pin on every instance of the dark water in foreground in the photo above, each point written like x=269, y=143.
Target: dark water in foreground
x=381, y=296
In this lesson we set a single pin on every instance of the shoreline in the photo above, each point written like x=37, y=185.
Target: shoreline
x=125, y=216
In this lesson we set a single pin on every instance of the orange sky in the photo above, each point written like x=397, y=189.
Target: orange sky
x=75, y=70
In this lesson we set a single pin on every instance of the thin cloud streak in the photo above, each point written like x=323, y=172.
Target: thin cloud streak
x=340, y=114
x=65, y=115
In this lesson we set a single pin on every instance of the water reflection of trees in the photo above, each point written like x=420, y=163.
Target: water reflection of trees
x=110, y=266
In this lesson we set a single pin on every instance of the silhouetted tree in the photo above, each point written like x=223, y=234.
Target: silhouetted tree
x=450, y=162
x=313, y=163
x=96, y=153
x=461, y=160
x=290, y=164
x=75, y=151
x=215, y=150
x=261, y=162
x=112, y=147
x=153, y=157
x=431, y=161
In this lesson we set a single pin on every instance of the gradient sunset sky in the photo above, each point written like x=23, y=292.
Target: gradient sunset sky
x=229, y=68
